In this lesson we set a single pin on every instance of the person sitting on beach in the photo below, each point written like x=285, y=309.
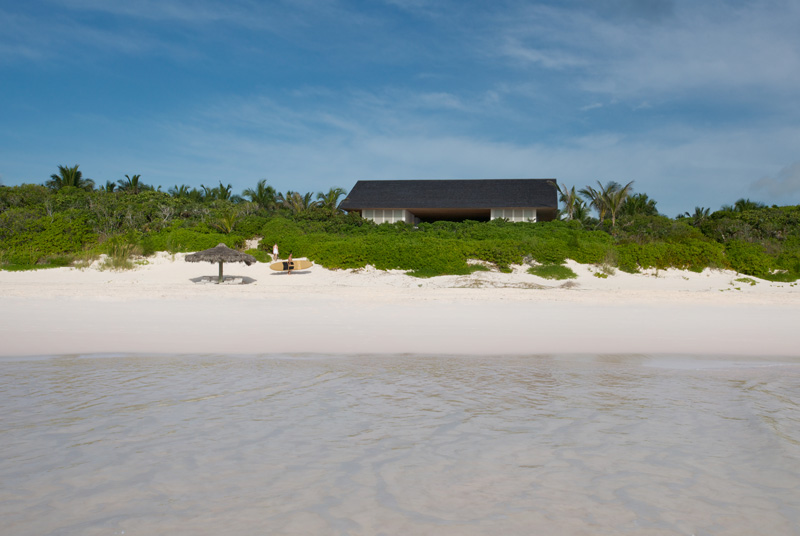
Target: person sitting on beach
x=275, y=253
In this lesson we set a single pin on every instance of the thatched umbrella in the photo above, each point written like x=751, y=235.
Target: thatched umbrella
x=221, y=253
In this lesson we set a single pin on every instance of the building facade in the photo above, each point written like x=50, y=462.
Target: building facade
x=413, y=201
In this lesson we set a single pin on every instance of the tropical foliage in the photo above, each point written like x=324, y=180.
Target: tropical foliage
x=67, y=219
x=69, y=177
x=263, y=196
x=608, y=199
x=131, y=185
x=552, y=271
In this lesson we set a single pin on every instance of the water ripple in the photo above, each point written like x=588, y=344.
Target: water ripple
x=396, y=445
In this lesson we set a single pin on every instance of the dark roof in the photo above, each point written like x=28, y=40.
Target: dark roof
x=483, y=193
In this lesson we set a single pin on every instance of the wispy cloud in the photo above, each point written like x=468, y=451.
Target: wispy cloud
x=193, y=12
x=785, y=185
x=709, y=46
x=46, y=37
x=172, y=28
x=725, y=50
x=593, y=106
x=549, y=59
x=692, y=100
x=304, y=148
x=298, y=149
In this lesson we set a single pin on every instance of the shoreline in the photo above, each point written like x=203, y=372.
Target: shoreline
x=673, y=363
x=158, y=309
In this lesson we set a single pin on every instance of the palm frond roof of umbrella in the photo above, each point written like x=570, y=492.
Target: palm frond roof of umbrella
x=221, y=253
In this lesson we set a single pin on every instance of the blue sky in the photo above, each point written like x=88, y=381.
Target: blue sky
x=698, y=102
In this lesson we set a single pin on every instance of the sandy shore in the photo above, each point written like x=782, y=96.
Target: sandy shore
x=160, y=308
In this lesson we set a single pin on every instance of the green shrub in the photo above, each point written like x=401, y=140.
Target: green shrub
x=692, y=255
x=183, y=240
x=59, y=261
x=251, y=225
x=261, y=256
x=643, y=229
x=552, y=271
x=276, y=230
x=39, y=226
x=225, y=220
x=24, y=196
x=503, y=253
x=26, y=267
x=750, y=259
x=66, y=232
x=17, y=220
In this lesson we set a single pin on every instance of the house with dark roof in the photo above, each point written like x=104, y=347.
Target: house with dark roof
x=413, y=201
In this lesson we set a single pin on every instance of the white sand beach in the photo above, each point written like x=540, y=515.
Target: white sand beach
x=159, y=308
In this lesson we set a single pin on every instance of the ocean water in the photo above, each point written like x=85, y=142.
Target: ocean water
x=398, y=445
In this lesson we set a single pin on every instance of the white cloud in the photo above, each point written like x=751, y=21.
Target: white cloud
x=716, y=46
x=450, y=109
x=549, y=59
x=441, y=100
x=425, y=7
x=19, y=52
x=786, y=184
x=195, y=12
x=592, y=106
x=36, y=38
x=680, y=167
x=177, y=28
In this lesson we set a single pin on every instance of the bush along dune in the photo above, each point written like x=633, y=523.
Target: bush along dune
x=64, y=224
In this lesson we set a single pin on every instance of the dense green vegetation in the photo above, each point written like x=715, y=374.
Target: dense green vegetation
x=68, y=221
x=552, y=271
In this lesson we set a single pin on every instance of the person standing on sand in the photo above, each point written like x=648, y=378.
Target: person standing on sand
x=275, y=253
x=289, y=264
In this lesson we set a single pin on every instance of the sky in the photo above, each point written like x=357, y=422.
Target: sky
x=697, y=102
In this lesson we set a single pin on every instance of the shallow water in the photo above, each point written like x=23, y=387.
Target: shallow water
x=398, y=445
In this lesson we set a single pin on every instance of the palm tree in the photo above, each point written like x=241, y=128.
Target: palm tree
x=264, y=196
x=196, y=195
x=608, y=199
x=69, y=176
x=296, y=202
x=596, y=200
x=581, y=212
x=220, y=192
x=109, y=187
x=616, y=196
x=132, y=185
x=226, y=220
x=743, y=205
x=639, y=205
x=330, y=201
x=699, y=216
x=179, y=191
x=567, y=196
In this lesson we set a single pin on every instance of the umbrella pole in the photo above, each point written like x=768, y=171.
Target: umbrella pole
x=220, y=271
